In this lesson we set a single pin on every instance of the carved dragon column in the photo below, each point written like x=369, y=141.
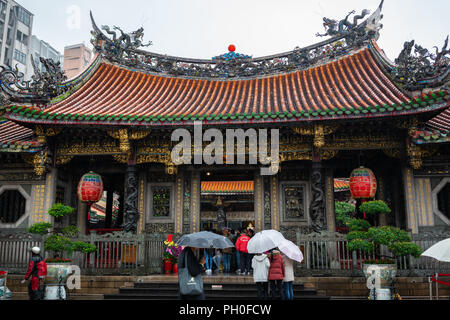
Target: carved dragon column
x=131, y=211
x=317, y=206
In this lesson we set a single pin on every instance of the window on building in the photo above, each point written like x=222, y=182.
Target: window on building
x=161, y=200
x=25, y=39
x=23, y=16
x=444, y=200
x=12, y=206
x=19, y=36
x=11, y=17
x=2, y=10
x=20, y=56
x=294, y=201
x=7, y=61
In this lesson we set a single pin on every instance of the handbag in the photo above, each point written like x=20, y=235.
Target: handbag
x=189, y=285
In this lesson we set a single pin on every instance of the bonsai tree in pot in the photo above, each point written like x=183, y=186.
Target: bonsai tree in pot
x=371, y=240
x=58, y=240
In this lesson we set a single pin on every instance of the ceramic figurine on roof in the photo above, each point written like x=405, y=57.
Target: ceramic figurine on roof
x=353, y=32
x=335, y=28
x=40, y=89
x=420, y=68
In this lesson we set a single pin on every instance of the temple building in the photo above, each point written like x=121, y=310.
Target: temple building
x=338, y=105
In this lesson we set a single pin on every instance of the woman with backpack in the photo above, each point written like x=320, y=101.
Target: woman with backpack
x=37, y=270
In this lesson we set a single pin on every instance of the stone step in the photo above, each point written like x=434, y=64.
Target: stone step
x=162, y=296
x=209, y=291
x=237, y=286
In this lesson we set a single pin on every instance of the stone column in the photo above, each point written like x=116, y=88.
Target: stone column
x=329, y=200
x=131, y=212
x=50, y=190
x=317, y=207
x=410, y=204
x=179, y=203
x=259, y=202
x=195, y=201
x=275, y=202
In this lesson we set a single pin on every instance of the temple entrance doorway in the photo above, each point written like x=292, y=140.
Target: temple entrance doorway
x=227, y=200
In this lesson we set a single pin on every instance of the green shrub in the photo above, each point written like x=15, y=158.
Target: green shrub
x=70, y=231
x=40, y=228
x=374, y=207
x=83, y=247
x=58, y=244
x=58, y=210
x=358, y=225
x=361, y=244
x=356, y=235
x=343, y=212
x=404, y=249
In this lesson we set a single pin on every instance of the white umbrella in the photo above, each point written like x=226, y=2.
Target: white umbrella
x=264, y=241
x=440, y=251
x=291, y=250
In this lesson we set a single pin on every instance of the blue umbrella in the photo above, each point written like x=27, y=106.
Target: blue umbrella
x=205, y=239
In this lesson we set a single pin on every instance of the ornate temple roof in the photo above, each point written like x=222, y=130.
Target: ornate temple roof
x=226, y=187
x=344, y=77
x=341, y=185
x=16, y=138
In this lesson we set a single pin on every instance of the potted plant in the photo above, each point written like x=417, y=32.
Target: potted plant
x=171, y=253
x=370, y=239
x=59, y=241
x=344, y=212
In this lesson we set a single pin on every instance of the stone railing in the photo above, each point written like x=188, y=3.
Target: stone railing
x=327, y=254
x=121, y=253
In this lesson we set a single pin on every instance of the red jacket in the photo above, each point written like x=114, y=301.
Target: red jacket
x=241, y=243
x=36, y=272
x=276, y=270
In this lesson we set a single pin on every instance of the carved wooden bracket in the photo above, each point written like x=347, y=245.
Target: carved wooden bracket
x=416, y=154
x=319, y=132
x=125, y=135
x=38, y=160
x=42, y=133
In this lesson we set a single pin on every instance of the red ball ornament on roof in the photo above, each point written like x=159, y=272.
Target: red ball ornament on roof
x=231, y=48
x=363, y=184
x=90, y=188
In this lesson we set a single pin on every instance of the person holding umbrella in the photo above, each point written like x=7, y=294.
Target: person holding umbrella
x=288, y=280
x=194, y=266
x=261, y=265
x=276, y=274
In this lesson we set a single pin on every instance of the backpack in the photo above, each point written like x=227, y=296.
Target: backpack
x=42, y=268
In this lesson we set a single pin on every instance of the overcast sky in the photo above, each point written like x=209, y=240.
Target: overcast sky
x=205, y=28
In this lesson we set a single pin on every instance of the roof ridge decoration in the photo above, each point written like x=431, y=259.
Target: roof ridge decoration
x=345, y=37
x=42, y=87
x=421, y=68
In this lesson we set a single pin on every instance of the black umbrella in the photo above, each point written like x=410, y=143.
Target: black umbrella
x=205, y=239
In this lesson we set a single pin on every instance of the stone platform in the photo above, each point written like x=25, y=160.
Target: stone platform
x=349, y=288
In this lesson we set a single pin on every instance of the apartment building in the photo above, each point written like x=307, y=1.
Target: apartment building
x=16, y=24
x=41, y=49
x=76, y=59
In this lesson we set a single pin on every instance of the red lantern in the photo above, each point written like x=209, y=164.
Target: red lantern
x=170, y=238
x=90, y=188
x=231, y=48
x=363, y=184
